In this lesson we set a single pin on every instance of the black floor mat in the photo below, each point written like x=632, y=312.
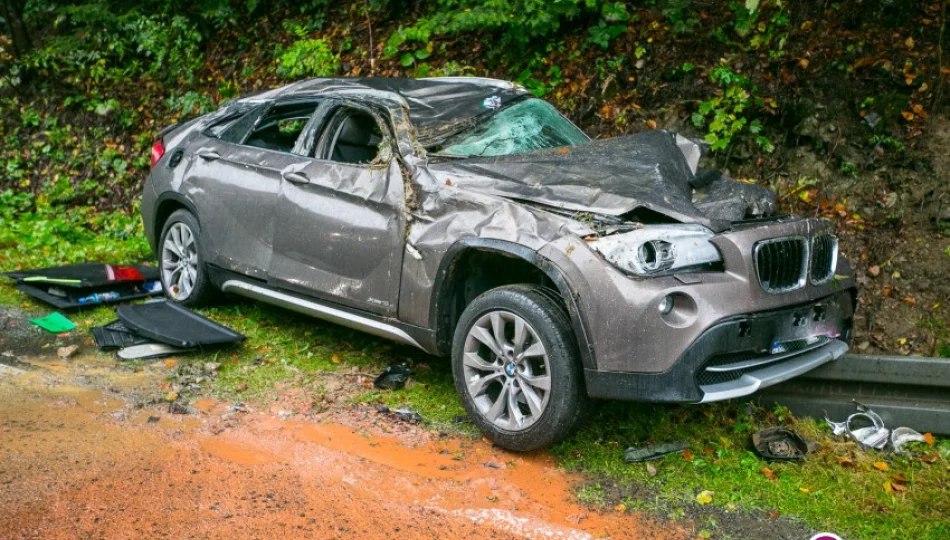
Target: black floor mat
x=166, y=322
x=116, y=335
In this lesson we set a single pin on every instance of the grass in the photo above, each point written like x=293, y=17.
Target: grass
x=284, y=348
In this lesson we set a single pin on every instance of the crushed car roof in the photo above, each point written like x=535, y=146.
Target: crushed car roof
x=434, y=103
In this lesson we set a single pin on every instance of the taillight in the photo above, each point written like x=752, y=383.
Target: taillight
x=158, y=150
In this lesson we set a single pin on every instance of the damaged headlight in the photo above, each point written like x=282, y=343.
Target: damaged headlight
x=659, y=248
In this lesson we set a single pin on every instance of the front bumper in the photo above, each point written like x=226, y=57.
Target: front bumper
x=741, y=354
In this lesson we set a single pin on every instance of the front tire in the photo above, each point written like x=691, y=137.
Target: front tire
x=184, y=276
x=516, y=368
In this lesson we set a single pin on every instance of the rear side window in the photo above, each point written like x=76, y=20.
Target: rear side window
x=280, y=127
x=235, y=131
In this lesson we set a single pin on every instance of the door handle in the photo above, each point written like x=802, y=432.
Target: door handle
x=295, y=177
x=208, y=154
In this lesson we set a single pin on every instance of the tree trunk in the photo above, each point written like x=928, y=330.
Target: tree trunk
x=12, y=13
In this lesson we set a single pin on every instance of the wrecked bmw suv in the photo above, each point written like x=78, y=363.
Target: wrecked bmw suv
x=467, y=218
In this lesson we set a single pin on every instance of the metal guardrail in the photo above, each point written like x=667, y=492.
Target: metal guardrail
x=909, y=391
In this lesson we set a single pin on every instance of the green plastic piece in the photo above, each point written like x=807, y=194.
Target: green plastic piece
x=55, y=322
x=45, y=279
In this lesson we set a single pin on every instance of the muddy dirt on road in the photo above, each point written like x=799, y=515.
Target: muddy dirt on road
x=84, y=454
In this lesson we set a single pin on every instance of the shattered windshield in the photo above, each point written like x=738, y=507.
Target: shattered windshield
x=528, y=125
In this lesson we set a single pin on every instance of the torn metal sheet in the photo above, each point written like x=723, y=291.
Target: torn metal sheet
x=612, y=177
x=726, y=199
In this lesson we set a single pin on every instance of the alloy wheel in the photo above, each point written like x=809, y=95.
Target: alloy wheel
x=506, y=370
x=179, y=261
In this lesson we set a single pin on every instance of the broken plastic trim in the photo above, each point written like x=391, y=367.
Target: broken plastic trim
x=866, y=427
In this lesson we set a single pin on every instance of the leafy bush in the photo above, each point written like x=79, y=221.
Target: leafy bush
x=611, y=24
x=726, y=115
x=95, y=44
x=517, y=22
x=308, y=58
x=191, y=103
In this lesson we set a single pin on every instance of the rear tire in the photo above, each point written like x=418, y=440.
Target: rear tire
x=525, y=389
x=185, y=278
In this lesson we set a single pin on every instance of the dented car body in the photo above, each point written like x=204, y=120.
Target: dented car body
x=410, y=209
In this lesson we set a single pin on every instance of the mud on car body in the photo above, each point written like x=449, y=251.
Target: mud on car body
x=465, y=217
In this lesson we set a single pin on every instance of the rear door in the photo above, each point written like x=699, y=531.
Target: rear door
x=341, y=222
x=235, y=182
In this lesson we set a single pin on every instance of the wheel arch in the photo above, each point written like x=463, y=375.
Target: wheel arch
x=165, y=206
x=458, y=282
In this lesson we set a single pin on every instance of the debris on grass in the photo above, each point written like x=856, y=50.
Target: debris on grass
x=394, y=377
x=780, y=444
x=404, y=414
x=903, y=435
x=654, y=451
x=55, y=323
x=867, y=428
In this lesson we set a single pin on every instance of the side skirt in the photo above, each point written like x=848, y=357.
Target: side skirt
x=327, y=313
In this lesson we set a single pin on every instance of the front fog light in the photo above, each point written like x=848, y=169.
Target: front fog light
x=666, y=305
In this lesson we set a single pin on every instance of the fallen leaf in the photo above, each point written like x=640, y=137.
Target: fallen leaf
x=774, y=514
x=907, y=115
x=563, y=150
x=170, y=363
x=241, y=387
x=651, y=124
x=901, y=488
x=881, y=466
x=335, y=359
x=909, y=43
x=929, y=439
x=874, y=270
x=171, y=396
x=651, y=470
x=768, y=473
x=919, y=111
x=806, y=491
x=687, y=455
x=705, y=496
x=845, y=462
x=803, y=63
x=910, y=300
x=899, y=478
x=621, y=507
x=888, y=488
x=932, y=458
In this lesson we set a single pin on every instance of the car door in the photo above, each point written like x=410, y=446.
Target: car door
x=235, y=182
x=341, y=221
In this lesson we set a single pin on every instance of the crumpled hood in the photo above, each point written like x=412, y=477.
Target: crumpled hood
x=610, y=176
